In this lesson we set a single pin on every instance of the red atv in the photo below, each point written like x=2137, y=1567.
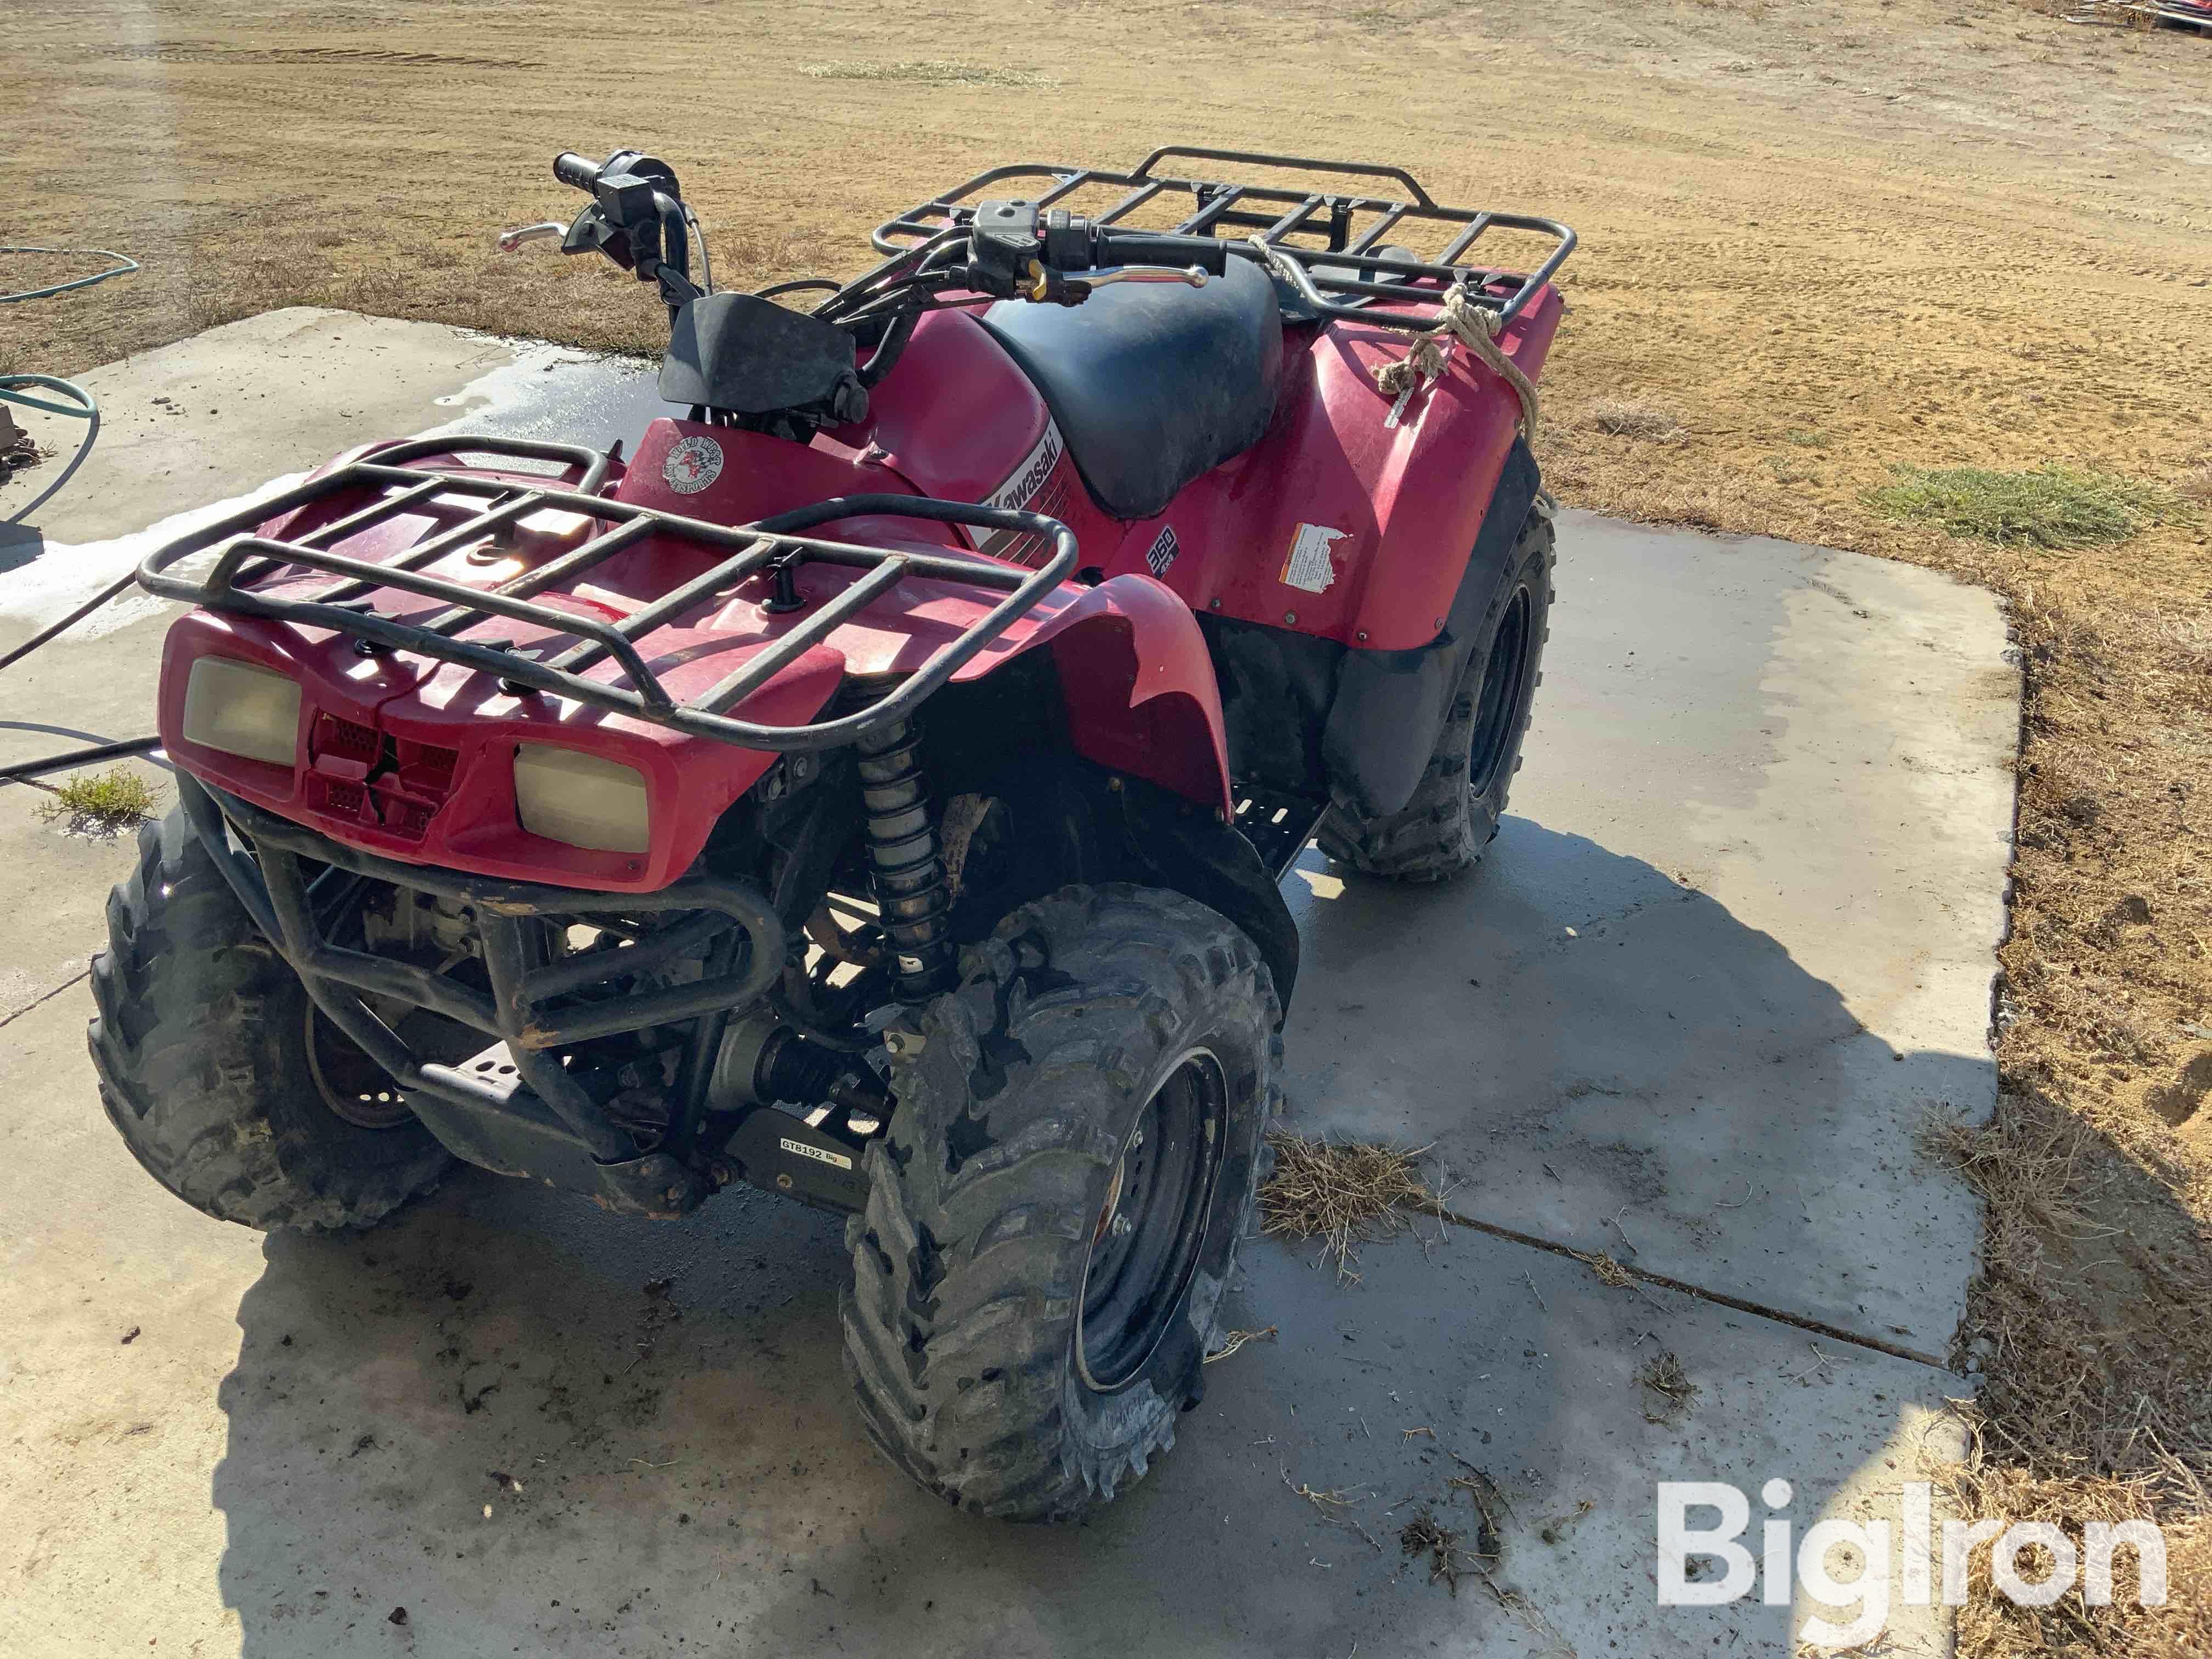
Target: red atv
x=874, y=789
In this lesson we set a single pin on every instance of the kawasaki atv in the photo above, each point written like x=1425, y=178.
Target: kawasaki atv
x=873, y=787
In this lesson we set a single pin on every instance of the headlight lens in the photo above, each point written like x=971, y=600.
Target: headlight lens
x=243, y=709
x=567, y=795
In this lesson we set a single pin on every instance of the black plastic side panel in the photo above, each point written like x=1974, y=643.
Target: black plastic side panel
x=1383, y=724
x=1276, y=687
x=1309, y=717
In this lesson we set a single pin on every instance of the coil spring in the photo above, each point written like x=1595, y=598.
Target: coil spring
x=912, y=894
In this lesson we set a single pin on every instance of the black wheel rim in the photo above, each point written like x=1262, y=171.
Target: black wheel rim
x=1498, y=706
x=354, y=1086
x=1151, y=1229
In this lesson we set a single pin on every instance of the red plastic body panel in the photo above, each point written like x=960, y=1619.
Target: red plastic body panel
x=1404, y=502
x=961, y=421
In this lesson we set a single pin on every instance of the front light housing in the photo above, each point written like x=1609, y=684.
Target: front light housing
x=583, y=800
x=243, y=708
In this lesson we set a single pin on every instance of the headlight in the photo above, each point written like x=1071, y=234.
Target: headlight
x=567, y=795
x=242, y=709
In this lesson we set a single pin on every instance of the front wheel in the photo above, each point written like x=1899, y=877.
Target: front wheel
x=224, y=1081
x=1456, y=808
x=1077, y=1149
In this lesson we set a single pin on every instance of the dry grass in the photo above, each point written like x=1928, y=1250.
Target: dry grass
x=1345, y=1194
x=1426, y=1536
x=1670, y=1385
x=1232, y=1342
x=2096, y=1370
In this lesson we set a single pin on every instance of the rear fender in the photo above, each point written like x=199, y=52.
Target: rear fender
x=1336, y=525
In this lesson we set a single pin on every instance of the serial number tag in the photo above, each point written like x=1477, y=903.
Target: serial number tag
x=814, y=1152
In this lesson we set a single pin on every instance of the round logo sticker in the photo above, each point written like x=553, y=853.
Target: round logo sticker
x=693, y=462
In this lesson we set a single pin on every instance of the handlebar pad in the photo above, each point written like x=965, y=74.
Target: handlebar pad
x=1130, y=247
x=577, y=172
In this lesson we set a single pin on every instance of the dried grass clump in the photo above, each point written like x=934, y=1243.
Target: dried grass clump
x=1425, y=1536
x=928, y=72
x=1345, y=1194
x=1618, y=418
x=1665, y=1378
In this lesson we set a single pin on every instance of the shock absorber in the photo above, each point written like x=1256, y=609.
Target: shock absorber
x=912, y=894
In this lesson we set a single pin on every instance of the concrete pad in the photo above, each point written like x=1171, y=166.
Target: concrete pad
x=688, y=1467
x=1732, y=946
x=1733, y=943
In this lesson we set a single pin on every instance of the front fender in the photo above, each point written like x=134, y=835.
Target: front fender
x=1139, y=688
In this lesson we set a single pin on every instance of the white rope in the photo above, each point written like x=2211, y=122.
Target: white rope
x=1476, y=328
x=1473, y=325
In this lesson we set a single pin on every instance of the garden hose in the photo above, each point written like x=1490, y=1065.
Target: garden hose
x=84, y=407
x=123, y=265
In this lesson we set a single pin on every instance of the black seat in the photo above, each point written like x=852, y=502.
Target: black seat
x=1152, y=383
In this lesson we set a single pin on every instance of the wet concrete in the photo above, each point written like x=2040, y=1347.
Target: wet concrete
x=1731, y=948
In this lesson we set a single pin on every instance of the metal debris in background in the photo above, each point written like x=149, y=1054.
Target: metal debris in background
x=2123, y=14
x=16, y=449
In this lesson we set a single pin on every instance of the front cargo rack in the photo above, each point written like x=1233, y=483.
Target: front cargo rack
x=1326, y=242
x=774, y=546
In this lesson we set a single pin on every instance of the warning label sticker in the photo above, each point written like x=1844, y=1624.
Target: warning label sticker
x=1310, y=569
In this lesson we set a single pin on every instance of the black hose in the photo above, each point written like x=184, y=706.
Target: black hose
x=24, y=771
x=71, y=620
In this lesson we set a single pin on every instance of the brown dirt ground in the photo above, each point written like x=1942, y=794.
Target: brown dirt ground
x=1938, y=231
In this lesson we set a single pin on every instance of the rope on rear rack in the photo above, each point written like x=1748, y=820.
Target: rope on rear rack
x=1464, y=320
x=1475, y=328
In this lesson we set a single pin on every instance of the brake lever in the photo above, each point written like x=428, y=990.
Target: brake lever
x=1191, y=276
x=512, y=241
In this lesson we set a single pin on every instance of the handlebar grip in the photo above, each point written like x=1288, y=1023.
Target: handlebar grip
x=577, y=172
x=1209, y=253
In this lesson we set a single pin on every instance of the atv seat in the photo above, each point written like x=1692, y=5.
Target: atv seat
x=1152, y=383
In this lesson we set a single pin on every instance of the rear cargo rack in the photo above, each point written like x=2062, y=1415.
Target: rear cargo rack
x=773, y=545
x=1328, y=224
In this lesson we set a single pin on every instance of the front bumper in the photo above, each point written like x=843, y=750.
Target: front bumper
x=535, y=1006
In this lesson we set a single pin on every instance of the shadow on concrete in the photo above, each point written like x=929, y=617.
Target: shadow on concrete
x=1604, y=1057
x=690, y=1476
x=20, y=543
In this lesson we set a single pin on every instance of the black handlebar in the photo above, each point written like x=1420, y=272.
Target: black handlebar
x=1134, y=248
x=577, y=172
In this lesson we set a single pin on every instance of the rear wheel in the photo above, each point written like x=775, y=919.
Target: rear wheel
x=1456, y=808
x=1077, y=1148
x=224, y=1079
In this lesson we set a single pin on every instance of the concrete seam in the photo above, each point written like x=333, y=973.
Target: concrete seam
x=40, y=1001
x=1721, y=1298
